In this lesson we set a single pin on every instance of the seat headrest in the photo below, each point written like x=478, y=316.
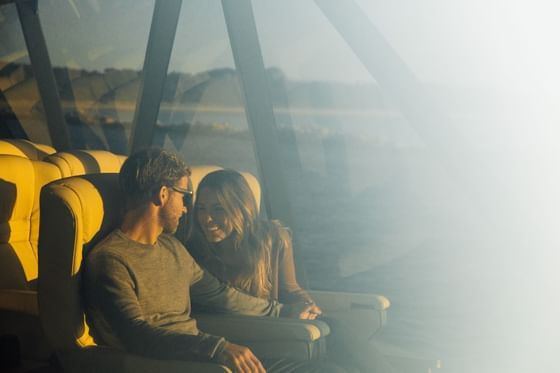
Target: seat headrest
x=25, y=148
x=199, y=172
x=81, y=162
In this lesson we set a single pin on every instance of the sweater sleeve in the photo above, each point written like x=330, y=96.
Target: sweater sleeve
x=289, y=290
x=117, y=317
x=212, y=295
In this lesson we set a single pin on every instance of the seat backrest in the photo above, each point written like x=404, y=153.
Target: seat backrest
x=25, y=148
x=198, y=173
x=254, y=185
x=21, y=181
x=77, y=213
x=82, y=162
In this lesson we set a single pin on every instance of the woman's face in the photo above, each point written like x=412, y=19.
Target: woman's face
x=211, y=217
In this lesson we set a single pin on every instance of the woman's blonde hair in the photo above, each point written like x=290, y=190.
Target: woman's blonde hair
x=252, y=237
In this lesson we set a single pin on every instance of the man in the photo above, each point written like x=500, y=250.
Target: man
x=139, y=280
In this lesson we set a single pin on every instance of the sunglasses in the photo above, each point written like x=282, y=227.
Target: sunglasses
x=187, y=195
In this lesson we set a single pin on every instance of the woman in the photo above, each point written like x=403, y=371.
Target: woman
x=231, y=241
x=255, y=255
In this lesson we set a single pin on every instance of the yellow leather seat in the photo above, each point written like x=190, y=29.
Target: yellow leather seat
x=25, y=148
x=81, y=162
x=22, y=175
x=198, y=173
x=307, y=338
x=21, y=180
x=77, y=213
x=360, y=315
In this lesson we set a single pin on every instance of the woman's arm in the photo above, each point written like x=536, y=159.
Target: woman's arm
x=289, y=290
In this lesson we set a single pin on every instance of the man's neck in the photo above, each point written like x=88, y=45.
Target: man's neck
x=142, y=225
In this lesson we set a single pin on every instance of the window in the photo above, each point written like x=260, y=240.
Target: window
x=202, y=114
x=21, y=110
x=420, y=154
x=97, y=52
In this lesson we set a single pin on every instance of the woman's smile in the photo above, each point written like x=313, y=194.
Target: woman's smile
x=211, y=217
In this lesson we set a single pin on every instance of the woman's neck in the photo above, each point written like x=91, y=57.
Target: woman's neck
x=223, y=245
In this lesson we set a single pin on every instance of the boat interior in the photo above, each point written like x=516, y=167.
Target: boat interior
x=410, y=147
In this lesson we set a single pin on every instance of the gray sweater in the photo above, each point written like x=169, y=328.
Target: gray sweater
x=138, y=298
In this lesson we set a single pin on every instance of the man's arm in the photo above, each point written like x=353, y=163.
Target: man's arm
x=209, y=292
x=215, y=296
x=113, y=309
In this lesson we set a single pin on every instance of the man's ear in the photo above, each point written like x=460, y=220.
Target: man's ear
x=161, y=196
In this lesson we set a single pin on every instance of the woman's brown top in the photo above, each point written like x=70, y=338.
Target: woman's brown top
x=226, y=264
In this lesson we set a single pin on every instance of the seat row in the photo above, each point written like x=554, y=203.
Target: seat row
x=76, y=211
x=25, y=168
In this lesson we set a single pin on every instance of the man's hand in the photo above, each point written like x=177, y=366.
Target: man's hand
x=241, y=359
x=302, y=310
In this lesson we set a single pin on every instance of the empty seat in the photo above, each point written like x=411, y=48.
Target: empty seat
x=21, y=181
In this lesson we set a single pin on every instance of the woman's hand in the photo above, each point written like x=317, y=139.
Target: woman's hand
x=311, y=312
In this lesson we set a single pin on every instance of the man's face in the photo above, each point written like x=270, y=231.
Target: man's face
x=174, y=207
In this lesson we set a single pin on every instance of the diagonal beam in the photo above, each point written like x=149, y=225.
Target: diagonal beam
x=43, y=72
x=156, y=63
x=250, y=67
x=392, y=74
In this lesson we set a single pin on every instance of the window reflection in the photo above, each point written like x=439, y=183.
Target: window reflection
x=348, y=149
x=97, y=54
x=21, y=110
x=370, y=196
x=202, y=115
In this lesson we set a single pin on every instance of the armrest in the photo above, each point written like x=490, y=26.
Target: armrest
x=270, y=337
x=338, y=301
x=107, y=359
x=362, y=314
x=24, y=301
x=252, y=328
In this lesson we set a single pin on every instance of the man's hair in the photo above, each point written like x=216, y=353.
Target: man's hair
x=146, y=171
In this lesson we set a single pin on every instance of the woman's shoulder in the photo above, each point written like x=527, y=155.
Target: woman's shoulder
x=276, y=227
x=281, y=236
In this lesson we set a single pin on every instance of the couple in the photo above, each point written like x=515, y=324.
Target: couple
x=139, y=281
